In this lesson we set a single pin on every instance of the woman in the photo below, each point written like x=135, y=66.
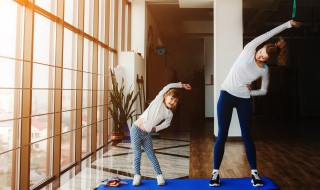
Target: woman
x=159, y=109
x=236, y=92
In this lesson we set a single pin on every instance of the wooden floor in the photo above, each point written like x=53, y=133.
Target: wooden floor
x=288, y=152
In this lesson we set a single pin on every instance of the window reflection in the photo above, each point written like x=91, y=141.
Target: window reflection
x=70, y=49
x=40, y=161
x=10, y=73
x=6, y=169
x=112, y=21
x=67, y=149
x=71, y=12
x=88, y=17
x=41, y=127
x=86, y=130
x=68, y=121
x=11, y=17
x=10, y=104
x=42, y=102
x=68, y=100
x=87, y=55
x=101, y=60
x=42, y=76
x=99, y=113
x=8, y=141
x=69, y=79
x=44, y=40
x=102, y=20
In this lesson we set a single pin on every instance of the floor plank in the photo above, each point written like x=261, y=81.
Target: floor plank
x=287, y=152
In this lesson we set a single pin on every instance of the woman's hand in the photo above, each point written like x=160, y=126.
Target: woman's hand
x=295, y=24
x=186, y=86
x=249, y=87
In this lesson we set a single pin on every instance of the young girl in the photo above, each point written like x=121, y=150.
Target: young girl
x=236, y=92
x=159, y=109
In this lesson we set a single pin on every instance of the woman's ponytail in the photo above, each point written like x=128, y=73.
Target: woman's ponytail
x=278, y=52
x=283, y=54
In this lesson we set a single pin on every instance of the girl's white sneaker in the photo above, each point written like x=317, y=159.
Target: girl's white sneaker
x=160, y=180
x=136, y=180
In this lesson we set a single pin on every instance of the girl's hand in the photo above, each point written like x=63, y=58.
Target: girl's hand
x=249, y=87
x=186, y=86
x=295, y=24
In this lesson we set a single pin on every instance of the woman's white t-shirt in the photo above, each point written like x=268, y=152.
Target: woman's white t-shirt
x=244, y=70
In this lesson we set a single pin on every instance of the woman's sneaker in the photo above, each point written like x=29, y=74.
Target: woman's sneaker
x=215, y=180
x=136, y=180
x=160, y=180
x=256, y=181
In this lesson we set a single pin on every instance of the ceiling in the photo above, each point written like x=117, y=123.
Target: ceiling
x=183, y=24
x=194, y=18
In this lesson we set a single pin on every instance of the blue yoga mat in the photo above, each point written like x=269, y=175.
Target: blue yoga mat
x=197, y=184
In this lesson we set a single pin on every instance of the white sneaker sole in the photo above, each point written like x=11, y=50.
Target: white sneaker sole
x=214, y=185
x=161, y=181
x=136, y=184
x=256, y=185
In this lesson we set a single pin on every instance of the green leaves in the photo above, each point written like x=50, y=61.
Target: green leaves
x=120, y=104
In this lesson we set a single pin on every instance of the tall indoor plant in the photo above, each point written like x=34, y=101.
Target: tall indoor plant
x=120, y=107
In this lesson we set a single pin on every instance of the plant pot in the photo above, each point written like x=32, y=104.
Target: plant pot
x=116, y=138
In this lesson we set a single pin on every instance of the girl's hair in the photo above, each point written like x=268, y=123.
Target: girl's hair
x=278, y=52
x=175, y=93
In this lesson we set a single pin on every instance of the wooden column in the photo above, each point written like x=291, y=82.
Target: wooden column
x=79, y=80
x=95, y=78
x=58, y=91
x=26, y=99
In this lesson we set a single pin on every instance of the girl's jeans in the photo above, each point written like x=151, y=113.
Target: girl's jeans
x=141, y=138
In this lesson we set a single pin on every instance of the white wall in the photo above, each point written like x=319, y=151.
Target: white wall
x=132, y=64
x=227, y=46
x=138, y=35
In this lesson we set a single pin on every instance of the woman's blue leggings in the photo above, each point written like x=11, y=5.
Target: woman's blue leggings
x=225, y=106
x=141, y=138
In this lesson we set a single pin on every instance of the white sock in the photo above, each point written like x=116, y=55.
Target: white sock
x=215, y=171
x=254, y=172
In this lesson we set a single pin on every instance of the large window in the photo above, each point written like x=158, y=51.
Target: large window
x=11, y=45
x=54, y=60
x=87, y=96
x=69, y=86
x=43, y=75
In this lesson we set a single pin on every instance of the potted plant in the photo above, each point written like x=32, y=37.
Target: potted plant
x=120, y=107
